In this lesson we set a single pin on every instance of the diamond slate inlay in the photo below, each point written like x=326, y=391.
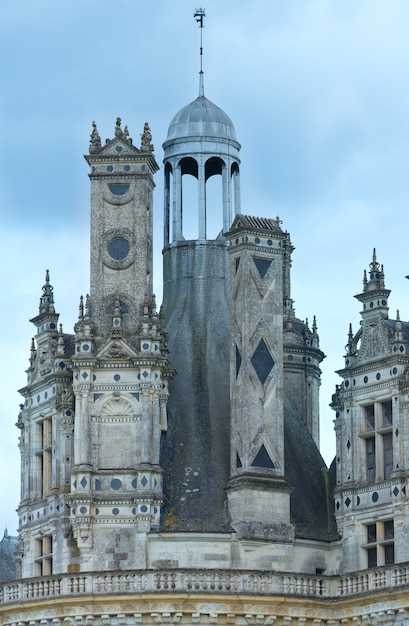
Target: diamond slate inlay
x=238, y=361
x=262, y=361
x=263, y=459
x=262, y=265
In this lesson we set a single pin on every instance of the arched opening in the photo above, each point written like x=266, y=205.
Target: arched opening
x=214, y=196
x=190, y=173
x=124, y=308
x=188, y=165
x=167, y=203
x=235, y=175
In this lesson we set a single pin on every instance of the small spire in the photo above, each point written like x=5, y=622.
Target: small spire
x=199, y=16
x=376, y=275
x=60, y=342
x=374, y=257
x=374, y=266
x=87, y=306
x=81, y=308
x=382, y=279
x=33, y=352
x=350, y=347
x=398, y=334
x=47, y=299
x=314, y=325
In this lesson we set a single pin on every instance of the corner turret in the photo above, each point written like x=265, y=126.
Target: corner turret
x=371, y=412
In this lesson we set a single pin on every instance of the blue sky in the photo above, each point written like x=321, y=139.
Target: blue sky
x=318, y=93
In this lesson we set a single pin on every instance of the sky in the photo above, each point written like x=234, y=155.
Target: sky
x=318, y=92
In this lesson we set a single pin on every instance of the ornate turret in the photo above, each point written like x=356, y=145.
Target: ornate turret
x=121, y=230
x=374, y=295
x=120, y=366
x=371, y=412
x=45, y=433
x=95, y=403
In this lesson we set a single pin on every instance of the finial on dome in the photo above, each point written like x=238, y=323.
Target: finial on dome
x=199, y=16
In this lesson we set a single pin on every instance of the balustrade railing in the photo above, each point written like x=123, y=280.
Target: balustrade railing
x=205, y=582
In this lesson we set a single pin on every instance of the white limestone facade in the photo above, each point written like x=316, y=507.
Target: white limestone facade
x=372, y=437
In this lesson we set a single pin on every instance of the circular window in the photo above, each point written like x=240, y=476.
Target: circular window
x=118, y=248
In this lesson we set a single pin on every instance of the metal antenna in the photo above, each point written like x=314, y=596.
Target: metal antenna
x=199, y=15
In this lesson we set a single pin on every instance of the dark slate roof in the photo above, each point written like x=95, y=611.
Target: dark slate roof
x=311, y=483
x=258, y=223
x=69, y=344
x=391, y=324
x=8, y=569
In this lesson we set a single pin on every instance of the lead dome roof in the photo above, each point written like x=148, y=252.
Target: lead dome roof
x=201, y=118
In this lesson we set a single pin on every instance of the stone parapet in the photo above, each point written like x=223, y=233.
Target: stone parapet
x=210, y=583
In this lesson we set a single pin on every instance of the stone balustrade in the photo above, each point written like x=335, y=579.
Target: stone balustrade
x=205, y=582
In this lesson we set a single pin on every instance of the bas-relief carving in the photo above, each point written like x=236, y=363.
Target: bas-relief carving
x=374, y=342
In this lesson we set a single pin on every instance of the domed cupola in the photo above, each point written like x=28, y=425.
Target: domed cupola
x=202, y=142
x=201, y=118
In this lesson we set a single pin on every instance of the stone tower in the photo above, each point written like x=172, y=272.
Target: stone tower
x=372, y=438
x=259, y=498
x=201, y=142
x=96, y=401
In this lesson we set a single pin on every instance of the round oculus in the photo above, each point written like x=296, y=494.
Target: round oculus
x=118, y=248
